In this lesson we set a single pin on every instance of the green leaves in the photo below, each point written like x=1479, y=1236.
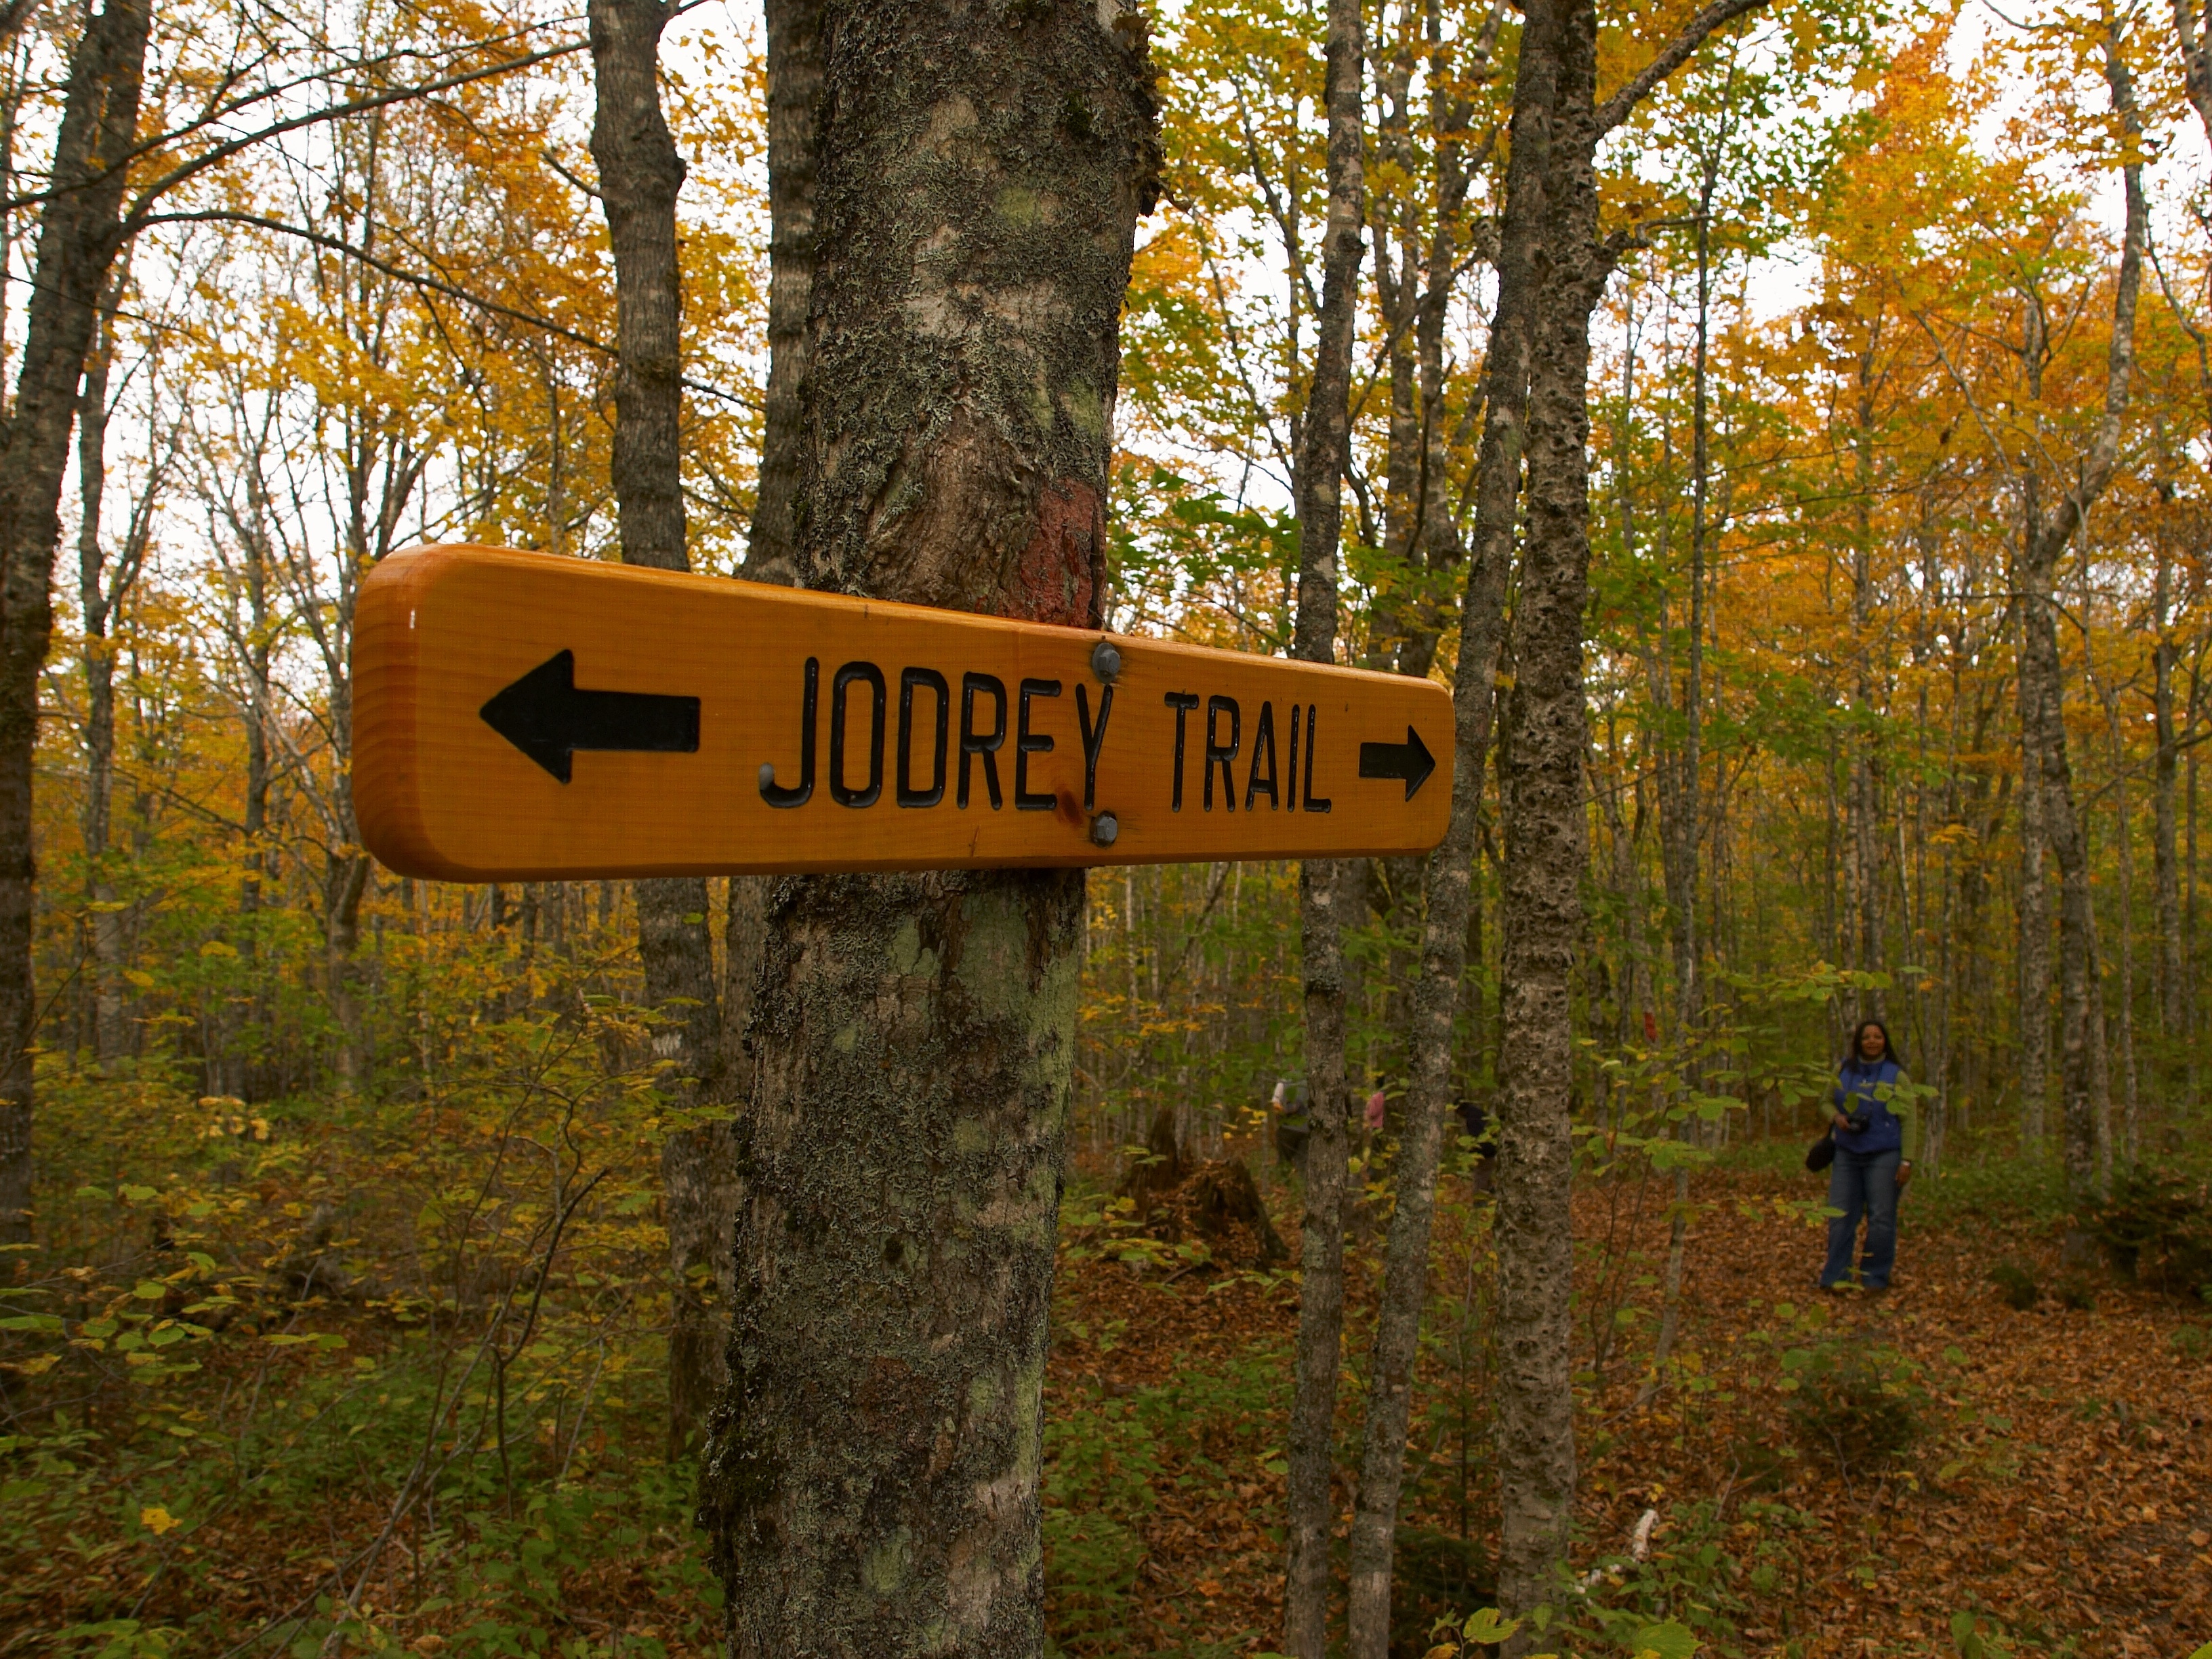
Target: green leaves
x=1668, y=1641
x=1488, y=1625
x=1968, y=1637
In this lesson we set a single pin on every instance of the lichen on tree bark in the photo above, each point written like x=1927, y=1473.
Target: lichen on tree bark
x=872, y=1484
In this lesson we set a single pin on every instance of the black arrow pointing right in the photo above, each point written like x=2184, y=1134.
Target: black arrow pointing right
x=548, y=719
x=1410, y=760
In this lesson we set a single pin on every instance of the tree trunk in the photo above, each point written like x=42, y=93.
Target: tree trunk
x=253, y=642
x=2033, y=910
x=794, y=117
x=699, y=1205
x=872, y=1486
x=2196, y=59
x=2061, y=833
x=1398, y=294
x=2166, y=863
x=1323, y=453
x=2130, y=1095
x=1865, y=807
x=640, y=173
x=2044, y=539
x=2190, y=711
x=78, y=236
x=100, y=587
x=794, y=123
x=1450, y=110
x=1544, y=844
x=1686, y=825
x=1449, y=887
x=1542, y=747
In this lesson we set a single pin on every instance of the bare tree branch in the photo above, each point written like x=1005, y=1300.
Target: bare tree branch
x=1676, y=52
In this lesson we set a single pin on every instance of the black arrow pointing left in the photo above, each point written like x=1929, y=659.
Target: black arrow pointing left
x=548, y=719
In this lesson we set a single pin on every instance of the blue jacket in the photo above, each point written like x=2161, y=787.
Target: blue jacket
x=1856, y=1088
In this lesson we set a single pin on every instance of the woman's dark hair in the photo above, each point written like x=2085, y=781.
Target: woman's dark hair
x=1858, y=1036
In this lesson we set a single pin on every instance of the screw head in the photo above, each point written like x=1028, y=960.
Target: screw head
x=1105, y=660
x=1105, y=829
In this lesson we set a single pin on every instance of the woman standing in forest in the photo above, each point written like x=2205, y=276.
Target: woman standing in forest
x=1871, y=1168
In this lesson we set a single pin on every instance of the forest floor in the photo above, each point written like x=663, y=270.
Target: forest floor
x=1949, y=1473
x=1827, y=1476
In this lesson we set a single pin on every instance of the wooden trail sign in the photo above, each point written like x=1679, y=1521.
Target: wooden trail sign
x=523, y=717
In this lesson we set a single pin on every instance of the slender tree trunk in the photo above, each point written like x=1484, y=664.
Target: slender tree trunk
x=1542, y=744
x=1687, y=829
x=2189, y=1073
x=99, y=591
x=2046, y=539
x=1865, y=805
x=254, y=650
x=1544, y=719
x=2196, y=59
x=640, y=174
x=1322, y=884
x=2046, y=734
x=78, y=238
x=794, y=123
x=2165, y=860
x=794, y=117
x=2032, y=954
x=871, y=1483
x=1449, y=885
x=1398, y=298
x=2130, y=1099
x=699, y=1204
x=1440, y=551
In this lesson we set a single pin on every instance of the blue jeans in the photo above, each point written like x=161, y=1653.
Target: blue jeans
x=1862, y=1183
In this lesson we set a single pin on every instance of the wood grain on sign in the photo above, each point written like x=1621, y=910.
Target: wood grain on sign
x=521, y=716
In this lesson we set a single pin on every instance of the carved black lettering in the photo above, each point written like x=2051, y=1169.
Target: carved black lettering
x=930, y=679
x=1094, y=738
x=1263, y=744
x=1290, y=791
x=777, y=795
x=1220, y=754
x=985, y=743
x=840, y=792
x=1183, y=703
x=1028, y=742
x=1313, y=803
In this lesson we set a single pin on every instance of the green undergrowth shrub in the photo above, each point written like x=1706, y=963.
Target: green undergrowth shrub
x=1702, y=1577
x=1784, y=1155
x=1858, y=1403
x=390, y=1363
x=2016, y=1282
x=1109, y=1459
x=1980, y=1184
x=137, y=1527
x=2156, y=1227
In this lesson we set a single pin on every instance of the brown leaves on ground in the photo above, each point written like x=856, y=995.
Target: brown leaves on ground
x=2059, y=1491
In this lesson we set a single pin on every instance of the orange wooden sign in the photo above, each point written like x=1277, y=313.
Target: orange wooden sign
x=523, y=717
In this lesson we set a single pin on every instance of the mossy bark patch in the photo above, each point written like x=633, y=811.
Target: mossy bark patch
x=872, y=1484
